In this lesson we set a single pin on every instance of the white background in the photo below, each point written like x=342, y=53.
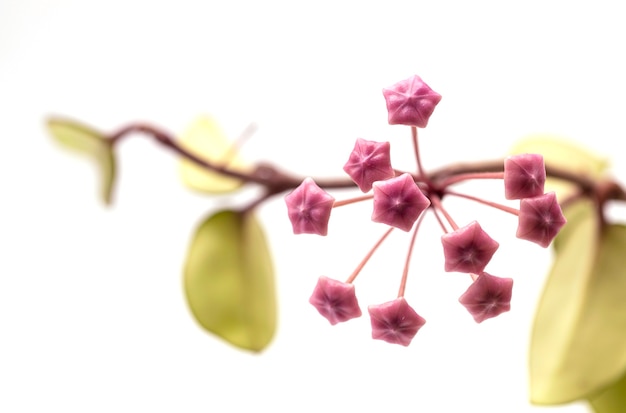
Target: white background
x=92, y=313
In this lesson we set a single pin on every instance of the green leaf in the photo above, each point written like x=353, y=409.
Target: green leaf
x=206, y=139
x=229, y=280
x=83, y=139
x=578, y=343
x=612, y=399
x=561, y=153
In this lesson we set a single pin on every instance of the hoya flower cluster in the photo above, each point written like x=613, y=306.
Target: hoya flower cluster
x=401, y=199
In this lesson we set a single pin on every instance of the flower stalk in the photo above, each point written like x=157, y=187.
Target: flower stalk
x=400, y=200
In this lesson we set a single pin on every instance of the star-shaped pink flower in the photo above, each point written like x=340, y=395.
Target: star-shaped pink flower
x=540, y=219
x=369, y=162
x=335, y=300
x=309, y=207
x=524, y=176
x=395, y=322
x=410, y=102
x=488, y=297
x=468, y=249
x=398, y=202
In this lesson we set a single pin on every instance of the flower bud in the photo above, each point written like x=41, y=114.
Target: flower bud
x=487, y=297
x=468, y=249
x=309, y=207
x=524, y=176
x=395, y=322
x=540, y=219
x=410, y=102
x=335, y=300
x=369, y=162
x=398, y=202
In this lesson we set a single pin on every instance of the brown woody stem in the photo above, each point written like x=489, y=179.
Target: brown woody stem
x=276, y=181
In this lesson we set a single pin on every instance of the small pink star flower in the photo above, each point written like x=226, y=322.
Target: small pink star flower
x=395, y=322
x=335, y=300
x=369, y=162
x=524, y=176
x=540, y=219
x=398, y=202
x=309, y=207
x=410, y=102
x=468, y=249
x=488, y=297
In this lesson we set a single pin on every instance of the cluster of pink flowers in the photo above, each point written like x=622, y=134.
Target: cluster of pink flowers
x=400, y=200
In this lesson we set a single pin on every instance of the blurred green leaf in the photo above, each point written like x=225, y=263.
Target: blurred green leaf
x=83, y=139
x=229, y=280
x=612, y=399
x=205, y=138
x=578, y=343
x=563, y=154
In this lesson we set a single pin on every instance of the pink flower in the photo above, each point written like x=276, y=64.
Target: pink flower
x=335, y=300
x=410, y=102
x=309, y=207
x=398, y=202
x=540, y=219
x=369, y=162
x=488, y=297
x=395, y=322
x=468, y=249
x=524, y=176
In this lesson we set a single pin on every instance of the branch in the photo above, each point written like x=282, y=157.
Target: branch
x=276, y=181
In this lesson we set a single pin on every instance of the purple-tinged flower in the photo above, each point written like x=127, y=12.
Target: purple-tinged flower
x=369, y=162
x=524, y=176
x=487, y=297
x=395, y=322
x=398, y=202
x=309, y=208
x=468, y=249
x=335, y=300
x=540, y=219
x=410, y=102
